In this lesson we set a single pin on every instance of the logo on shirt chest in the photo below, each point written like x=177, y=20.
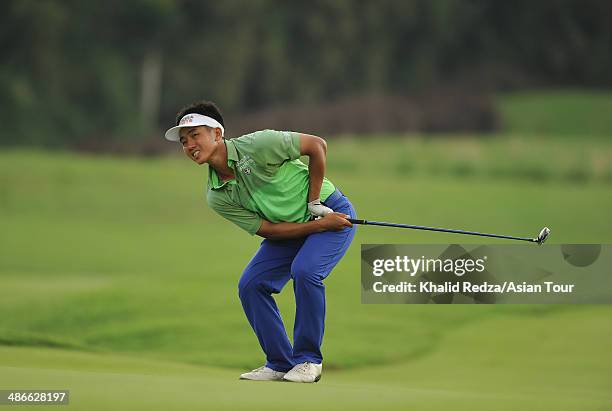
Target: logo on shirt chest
x=245, y=165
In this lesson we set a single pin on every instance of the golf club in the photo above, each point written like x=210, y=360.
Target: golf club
x=539, y=239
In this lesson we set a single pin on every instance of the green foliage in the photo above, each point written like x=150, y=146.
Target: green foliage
x=76, y=67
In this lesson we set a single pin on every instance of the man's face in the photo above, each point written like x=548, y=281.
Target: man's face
x=199, y=142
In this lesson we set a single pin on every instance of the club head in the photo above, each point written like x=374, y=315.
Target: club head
x=543, y=235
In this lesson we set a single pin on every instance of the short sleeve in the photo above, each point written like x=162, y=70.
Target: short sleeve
x=276, y=147
x=248, y=220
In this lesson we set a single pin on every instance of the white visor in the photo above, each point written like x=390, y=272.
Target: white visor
x=192, y=120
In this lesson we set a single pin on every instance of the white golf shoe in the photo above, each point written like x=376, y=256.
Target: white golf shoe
x=263, y=374
x=304, y=372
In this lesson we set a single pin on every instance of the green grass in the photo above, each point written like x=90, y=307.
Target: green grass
x=512, y=159
x=578, y=113
x=119, y=283
x=506, y=363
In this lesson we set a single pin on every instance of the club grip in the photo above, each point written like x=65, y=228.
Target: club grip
x=356, y=221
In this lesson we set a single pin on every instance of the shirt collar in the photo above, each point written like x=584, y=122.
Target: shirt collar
x=232, y=155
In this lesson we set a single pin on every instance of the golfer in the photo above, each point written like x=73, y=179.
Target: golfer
x=258, y=182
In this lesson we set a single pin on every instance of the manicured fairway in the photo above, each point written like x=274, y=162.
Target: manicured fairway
x=504, y=364
x=118, y=283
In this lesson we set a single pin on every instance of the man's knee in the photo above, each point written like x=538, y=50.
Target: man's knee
x=305, y=271
x=258, y=282
x=248, y=284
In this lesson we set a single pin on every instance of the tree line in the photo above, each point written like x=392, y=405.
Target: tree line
x=75, y=70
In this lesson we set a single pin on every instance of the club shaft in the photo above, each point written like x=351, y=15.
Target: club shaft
x=443, y=230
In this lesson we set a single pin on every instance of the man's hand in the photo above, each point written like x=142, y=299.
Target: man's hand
x=335, y=222
x=317, y=209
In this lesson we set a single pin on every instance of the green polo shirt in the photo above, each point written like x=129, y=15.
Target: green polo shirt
x=270, y=182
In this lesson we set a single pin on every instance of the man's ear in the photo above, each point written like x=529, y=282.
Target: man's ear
x=218, y=135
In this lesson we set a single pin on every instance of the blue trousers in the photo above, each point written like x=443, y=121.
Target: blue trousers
x=308, y=261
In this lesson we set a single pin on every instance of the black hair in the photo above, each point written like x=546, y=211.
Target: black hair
x=206, y=108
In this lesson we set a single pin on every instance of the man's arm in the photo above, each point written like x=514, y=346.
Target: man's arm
x=315, y=148
x=284, y=231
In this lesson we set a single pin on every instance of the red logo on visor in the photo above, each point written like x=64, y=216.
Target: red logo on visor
x=186, y=120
